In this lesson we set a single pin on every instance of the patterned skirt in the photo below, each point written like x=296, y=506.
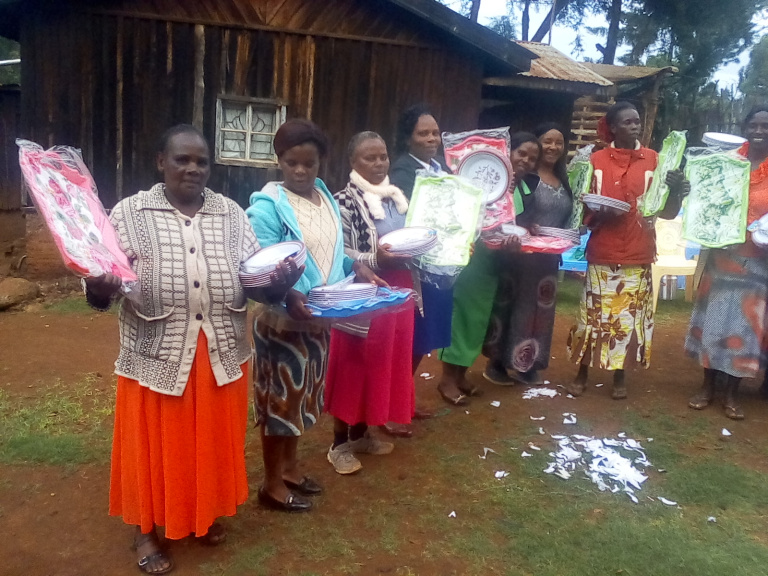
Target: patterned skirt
x=288, y=378
x=728, y=324
x=523, y=319
x=615, y=324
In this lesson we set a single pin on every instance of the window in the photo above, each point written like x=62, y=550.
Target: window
x=245, y=129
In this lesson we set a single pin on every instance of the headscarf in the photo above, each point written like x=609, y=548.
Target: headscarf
x=297, y=132
x=604, y=131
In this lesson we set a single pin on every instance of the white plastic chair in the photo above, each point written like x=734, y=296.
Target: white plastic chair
x=671, y=260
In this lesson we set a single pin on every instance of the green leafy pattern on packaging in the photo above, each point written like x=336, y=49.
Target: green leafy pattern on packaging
x=650, y=203
x=715, y=213
x=580, y=179
x=450, y=205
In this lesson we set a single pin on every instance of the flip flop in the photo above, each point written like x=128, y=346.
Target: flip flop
x=472, y=391
x=460, y=400
x=734, y=411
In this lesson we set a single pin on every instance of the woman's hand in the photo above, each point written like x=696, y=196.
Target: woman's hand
x=103, y=287
x=677, y=183
x=386, y=260
x=285, y=275
x=364, y=274
x=512, y=244
x=535, y=230
x=295, y=304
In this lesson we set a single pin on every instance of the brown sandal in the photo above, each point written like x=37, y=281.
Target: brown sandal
x=734, y=411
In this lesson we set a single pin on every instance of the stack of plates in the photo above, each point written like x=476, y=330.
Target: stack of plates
x=495, y=238
x=595, y=202
x=514, y=230
x=721, y=140
x=341, y=295
x=255, y=271
x=571, y=235
x=413, y=241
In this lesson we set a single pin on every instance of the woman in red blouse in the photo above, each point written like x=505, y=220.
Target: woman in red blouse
x=728, y=325
x=615, y=323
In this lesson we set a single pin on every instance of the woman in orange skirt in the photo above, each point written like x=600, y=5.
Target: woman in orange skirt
x=178, y=454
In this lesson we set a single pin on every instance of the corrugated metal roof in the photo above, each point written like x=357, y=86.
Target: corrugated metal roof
x=552, y=64
x=627, y=73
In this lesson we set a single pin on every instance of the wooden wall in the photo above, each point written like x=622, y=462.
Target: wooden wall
x=111, y=82
x=10, y=173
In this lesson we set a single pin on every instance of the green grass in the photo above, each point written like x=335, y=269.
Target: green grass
x=74, y=304
x=66, y=425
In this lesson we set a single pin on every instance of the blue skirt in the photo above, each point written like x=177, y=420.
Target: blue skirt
x=433, y=330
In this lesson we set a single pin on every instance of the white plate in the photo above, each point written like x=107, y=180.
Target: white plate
x=489, y=170
x=759, y=238
x=514, y=230
x=271, y=255
x=406, y=239
x=336, y=291
x=595, y=201
x=722, y=140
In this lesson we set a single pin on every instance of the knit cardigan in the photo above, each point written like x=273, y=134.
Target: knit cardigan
x=274, y=221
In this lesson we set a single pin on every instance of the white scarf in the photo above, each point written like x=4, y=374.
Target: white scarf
x=374, y=193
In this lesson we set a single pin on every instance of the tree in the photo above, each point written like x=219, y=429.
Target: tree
x=753, y=80
x=9, y=50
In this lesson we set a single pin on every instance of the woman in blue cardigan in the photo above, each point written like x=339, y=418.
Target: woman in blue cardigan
x=292, y=349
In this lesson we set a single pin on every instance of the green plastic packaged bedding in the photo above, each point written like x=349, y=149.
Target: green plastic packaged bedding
x=715, y=213
x=670, y=157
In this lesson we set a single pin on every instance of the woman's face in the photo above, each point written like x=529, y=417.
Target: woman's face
x=185, y=166
x=756, y=132
x=524, y=159
x=425, y=138
x=371, y=161
x=626, y=128
x=300, y=165
x=552, y=147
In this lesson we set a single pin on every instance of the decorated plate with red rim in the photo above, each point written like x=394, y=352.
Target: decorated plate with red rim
x=489, y=170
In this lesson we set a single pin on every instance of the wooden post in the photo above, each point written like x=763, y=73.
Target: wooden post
x=199, y=93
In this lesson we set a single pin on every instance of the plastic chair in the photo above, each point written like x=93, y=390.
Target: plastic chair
x=574, y=259
x=671, y=260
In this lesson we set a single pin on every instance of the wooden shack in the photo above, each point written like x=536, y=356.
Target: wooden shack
x=637, y=84
x=545, y=93
x=109, y=76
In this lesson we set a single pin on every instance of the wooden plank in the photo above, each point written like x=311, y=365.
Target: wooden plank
x=120, y=133
x=199, y=92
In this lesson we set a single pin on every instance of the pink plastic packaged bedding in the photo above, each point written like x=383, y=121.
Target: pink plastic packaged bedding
x=65, y=195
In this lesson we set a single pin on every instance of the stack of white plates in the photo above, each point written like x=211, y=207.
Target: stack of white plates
x=256, y=271
x=721, y=140
x=341, y=295
x=595, y=202
x=571, y=235
x=413, y=241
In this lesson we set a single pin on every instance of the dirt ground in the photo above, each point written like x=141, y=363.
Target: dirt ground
x=55, y=519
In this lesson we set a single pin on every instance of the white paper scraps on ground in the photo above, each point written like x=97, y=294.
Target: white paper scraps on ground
x=667, y=502
x=501, y=474
x=541, y=430
x=712, y=519
x=569, y=418
x=726, y=432
x=612, y=464
x=424, y=374
x=525, y=454
x=495, y=403
x=649, y=439
x=599, y=385
x=539, y=393
x=622, y=434
x=466, y=411
x=538, y=418
x=570, y=396
x=486, y=451
x=452, y=514
x=547, y=382
x=533, y=446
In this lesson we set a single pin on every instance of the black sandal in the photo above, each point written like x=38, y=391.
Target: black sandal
x=145, y=563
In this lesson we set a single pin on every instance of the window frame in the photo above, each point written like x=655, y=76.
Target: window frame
x=250, y=103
